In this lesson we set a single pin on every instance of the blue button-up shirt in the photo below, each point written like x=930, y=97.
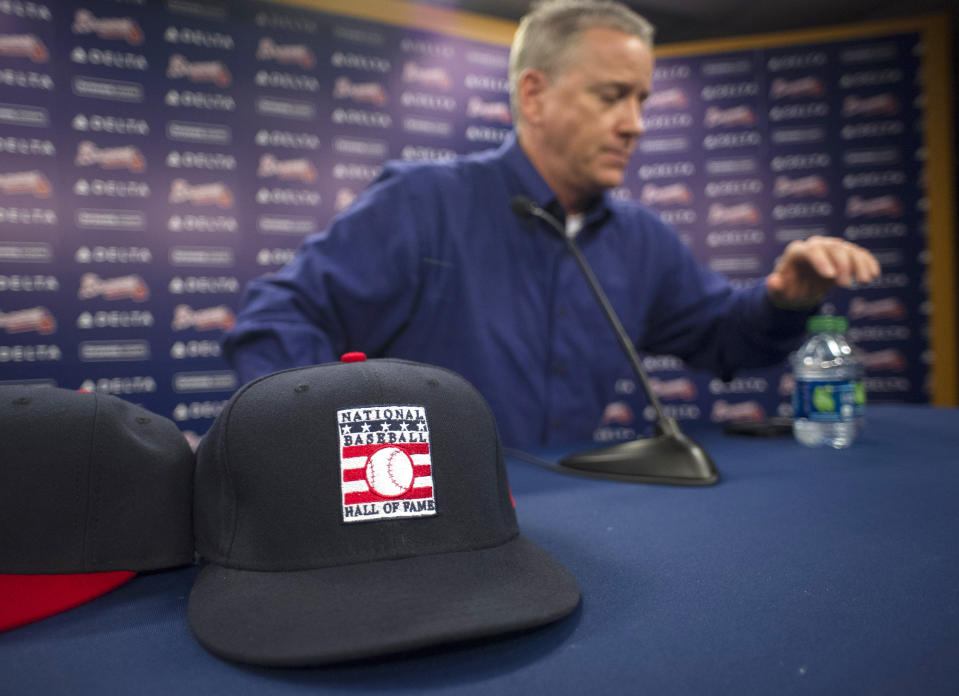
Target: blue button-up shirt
x=430, y=264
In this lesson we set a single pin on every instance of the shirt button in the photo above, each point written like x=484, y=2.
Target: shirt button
x=561, y=313
x=556, y=425
x=559, y=370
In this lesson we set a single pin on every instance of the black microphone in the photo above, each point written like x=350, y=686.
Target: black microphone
x=668, y=457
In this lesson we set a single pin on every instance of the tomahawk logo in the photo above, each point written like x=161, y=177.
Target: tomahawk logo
x=385, y=464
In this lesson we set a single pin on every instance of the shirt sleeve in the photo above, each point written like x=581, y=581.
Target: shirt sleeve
x=700, y=317
x=348, y=288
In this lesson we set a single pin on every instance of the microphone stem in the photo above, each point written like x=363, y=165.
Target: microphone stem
x=666, y=424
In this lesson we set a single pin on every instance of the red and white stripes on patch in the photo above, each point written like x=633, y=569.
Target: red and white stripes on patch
x=356, y=489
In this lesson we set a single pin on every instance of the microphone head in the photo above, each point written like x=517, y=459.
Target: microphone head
x=526, y=209
x=522, y=206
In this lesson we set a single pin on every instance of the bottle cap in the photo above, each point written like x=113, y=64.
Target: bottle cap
x=825, y=323
x=819, y=324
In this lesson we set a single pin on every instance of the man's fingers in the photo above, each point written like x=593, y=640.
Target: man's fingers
x=838, y=260
x=841, y=257
x=808, y=269
x=775, y=282
x=820, y=260
x=865, y=265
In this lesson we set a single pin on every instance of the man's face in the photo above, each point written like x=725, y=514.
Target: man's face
x=591, y=113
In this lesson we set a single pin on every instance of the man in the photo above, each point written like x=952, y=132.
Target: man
x=430, y=264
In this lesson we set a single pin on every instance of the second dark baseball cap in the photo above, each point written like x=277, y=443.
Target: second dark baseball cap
x=352, y=510
x=92, y=490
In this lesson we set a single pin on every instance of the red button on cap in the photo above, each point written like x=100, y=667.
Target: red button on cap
x=355, y=356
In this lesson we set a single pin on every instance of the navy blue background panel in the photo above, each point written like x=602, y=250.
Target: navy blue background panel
x=154, y=157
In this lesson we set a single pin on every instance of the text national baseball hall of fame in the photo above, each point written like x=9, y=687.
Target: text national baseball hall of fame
x=385, y=463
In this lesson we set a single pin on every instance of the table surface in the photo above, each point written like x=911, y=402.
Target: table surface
x=807, y=571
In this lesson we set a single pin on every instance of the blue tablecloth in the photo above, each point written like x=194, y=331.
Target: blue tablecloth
x=805, y=571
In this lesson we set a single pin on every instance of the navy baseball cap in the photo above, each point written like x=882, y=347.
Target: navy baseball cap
x=92, y=490
x=352, y=510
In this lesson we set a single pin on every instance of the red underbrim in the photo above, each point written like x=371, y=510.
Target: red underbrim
x=28, y=598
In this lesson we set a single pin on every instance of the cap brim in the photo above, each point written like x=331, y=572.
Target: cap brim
x=28, y=598
x=326, y=615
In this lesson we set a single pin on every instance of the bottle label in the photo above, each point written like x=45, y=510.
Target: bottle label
x=828, y=401
x=859, y=408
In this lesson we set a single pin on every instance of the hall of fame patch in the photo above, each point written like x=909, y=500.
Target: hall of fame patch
x=385, y=463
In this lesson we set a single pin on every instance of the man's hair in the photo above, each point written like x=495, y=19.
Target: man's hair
x=547, y=32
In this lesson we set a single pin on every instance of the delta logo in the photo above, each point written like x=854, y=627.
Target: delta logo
x=385, y=463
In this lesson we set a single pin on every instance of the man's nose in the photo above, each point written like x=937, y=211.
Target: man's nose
x=631, y=120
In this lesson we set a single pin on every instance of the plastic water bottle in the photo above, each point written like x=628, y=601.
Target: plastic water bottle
x=830, y=398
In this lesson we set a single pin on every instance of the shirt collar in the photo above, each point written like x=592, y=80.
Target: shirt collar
x=529, y=182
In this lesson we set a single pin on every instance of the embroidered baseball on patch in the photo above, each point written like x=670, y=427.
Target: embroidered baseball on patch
x=385, y=463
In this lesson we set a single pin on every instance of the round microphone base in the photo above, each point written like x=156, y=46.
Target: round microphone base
x=668, y=458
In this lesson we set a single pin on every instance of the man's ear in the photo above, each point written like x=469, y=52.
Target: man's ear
x=530, y=89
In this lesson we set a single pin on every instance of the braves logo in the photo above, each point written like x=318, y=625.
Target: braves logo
x=491, y=111
x=32, y=182
x=24, y=45
x=673, y=98
x=36, y=319
x=733, y=116
x=431, y=76
x=802, y=87
x=84, y=22
x=745, y=411
x=371, y=92
x=286, y=54
x=386, y=470
x=209, y=71
x=219, y=317
x=671, y=194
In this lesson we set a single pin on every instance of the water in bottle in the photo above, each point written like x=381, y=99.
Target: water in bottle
x=829, y=399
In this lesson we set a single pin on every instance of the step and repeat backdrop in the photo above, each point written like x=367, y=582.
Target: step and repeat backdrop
x=747, y=151
x=154, y=156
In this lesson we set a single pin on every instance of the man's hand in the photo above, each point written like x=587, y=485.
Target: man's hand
x=808, y=269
